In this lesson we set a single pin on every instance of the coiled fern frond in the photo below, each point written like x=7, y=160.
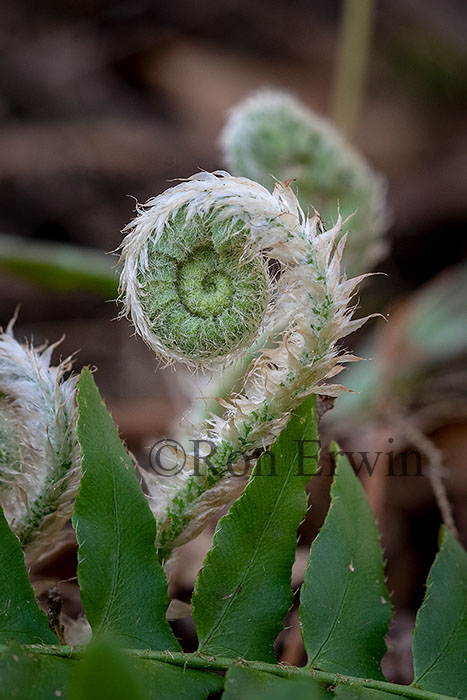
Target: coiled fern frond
x=271, y=133
x=209, y=267
x=39, y=456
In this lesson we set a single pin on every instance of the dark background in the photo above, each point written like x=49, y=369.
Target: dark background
x=104, y=102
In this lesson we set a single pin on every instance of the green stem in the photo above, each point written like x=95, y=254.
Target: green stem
x=352, y=60
x=45, y=503
x=220, y=663
x=232, y=377
x=59, y=266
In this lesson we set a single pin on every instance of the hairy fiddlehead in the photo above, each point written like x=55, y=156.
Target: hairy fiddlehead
x=209, y=266
x=272, y=133
x=39, y=461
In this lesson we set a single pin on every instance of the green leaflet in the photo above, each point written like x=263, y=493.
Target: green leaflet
x=242, y=682
x=345, y=609
x=107, y=673
x=25, y=675
x=243, y=592
x=167, y=682
x=440, y=639
x=21, y=618
x=123, y=587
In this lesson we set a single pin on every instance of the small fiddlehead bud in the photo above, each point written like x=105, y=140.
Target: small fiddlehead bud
x=231, y=233
x=271, y=132
x=39, y=459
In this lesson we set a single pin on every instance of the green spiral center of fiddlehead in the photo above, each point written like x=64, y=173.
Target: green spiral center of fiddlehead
x=205, y=289
x=202, y=298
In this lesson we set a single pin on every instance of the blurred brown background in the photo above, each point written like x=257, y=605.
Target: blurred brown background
x=104, y=102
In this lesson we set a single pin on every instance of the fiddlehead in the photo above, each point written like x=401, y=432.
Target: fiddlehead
x=263, y=243
x=194, y=296
x=272, y=132
x=39, y=460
